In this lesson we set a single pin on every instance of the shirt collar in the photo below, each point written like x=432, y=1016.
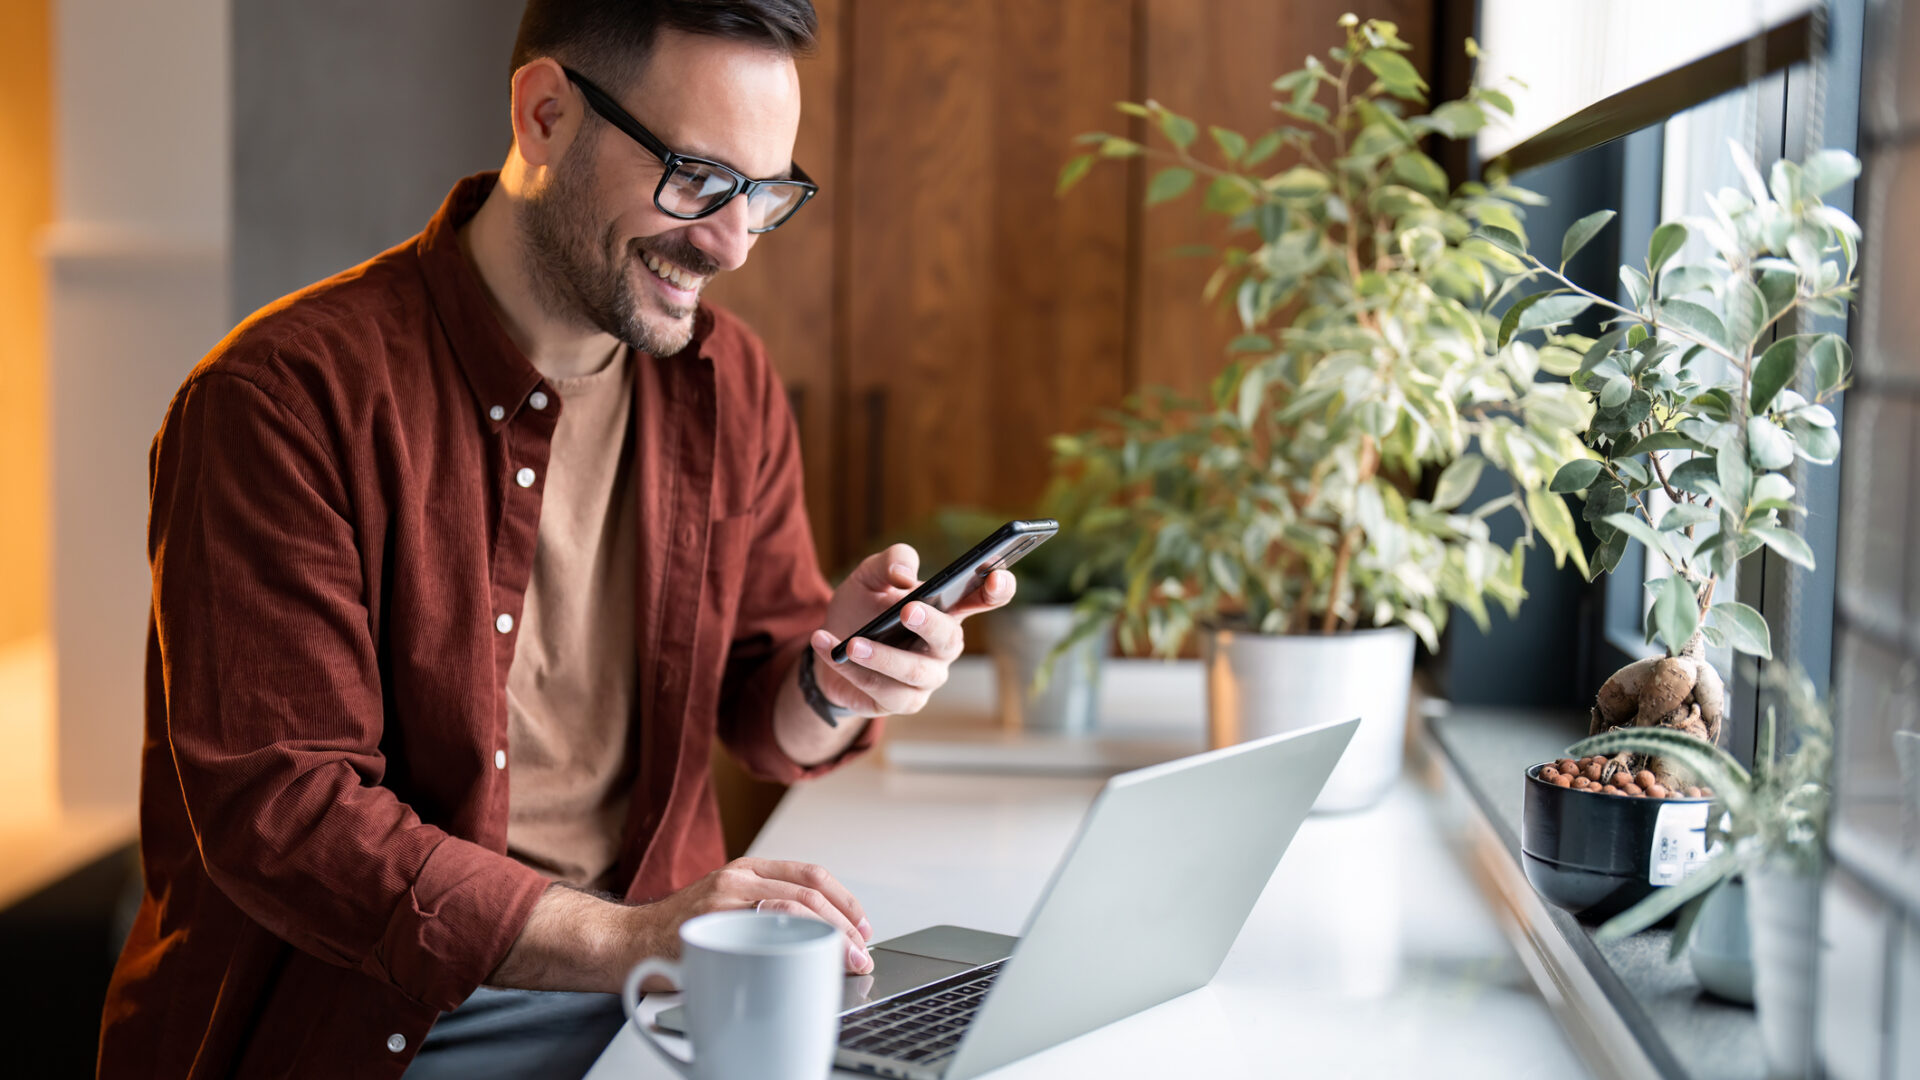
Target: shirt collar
x=496, y=369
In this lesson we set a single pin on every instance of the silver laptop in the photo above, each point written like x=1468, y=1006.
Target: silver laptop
x=1143, y=908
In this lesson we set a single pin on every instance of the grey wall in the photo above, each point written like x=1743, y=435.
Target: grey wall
x=351, y=119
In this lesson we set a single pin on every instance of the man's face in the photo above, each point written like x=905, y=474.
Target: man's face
x=599, y=250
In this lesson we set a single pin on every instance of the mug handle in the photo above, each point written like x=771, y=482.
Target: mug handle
x=630, y=1001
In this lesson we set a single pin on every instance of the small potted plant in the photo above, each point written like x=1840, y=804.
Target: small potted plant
x=1309, y=518
x=1772, y=833
x=1697, y=416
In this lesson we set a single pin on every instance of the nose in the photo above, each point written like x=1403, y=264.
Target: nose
x=723, y=235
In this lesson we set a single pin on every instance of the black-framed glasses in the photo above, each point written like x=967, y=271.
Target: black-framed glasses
x=692, y=188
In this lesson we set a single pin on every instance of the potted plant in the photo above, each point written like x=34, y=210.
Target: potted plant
x=1308, y=519
x=1696, y=416
x=1772, y=833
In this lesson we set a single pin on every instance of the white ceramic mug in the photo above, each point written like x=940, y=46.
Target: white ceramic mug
x=762, y=996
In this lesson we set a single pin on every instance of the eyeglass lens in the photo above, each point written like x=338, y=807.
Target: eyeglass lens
x=695, y=188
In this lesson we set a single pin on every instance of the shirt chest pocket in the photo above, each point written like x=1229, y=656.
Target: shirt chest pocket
x=729, y=555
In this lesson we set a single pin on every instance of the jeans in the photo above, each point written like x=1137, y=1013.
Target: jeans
x=509, y=1034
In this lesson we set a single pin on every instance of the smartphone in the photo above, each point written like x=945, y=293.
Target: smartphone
x=1008, y=544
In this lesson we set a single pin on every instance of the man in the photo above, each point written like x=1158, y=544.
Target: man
x=461, y=559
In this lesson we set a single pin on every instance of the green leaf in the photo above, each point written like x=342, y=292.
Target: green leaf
x=1169, y=183
x=1179, y=130
x=1498, y=100
x=1232, y=144
x=1698, y=321
x=1632, y=525
x=1071, y=173
x=1419, y=172
x=1299, y=182
x=1635, y=283
x=1552, y=310
x=1395, y=71
x=1676, y=611
x=1575, y=475
x=1457, y=481
x=1501, y=238
x=1785, y=544
x=1228, y=195
x=1132, y=109
x=1772, y=371
x=1662, y=902
x=1658, y=440
x=1667, y=240
x=1685, y=515
x=1550, y=516
x=1746, y=313
x=1457, y=119
x=1615, y=391
x=1262, y=149
x=1767, y=445
x=1580, y=232
x=1831, y=358
x=1826, y=170
x=1735, y=478
x=1745, y=629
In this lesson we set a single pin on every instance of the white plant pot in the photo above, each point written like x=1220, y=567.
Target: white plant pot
x=1023, y=637
x=1721, y=949
x=1264, y=684
x=1783, y=909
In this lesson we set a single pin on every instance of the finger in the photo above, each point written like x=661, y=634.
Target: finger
x=858, y=961
x=815, y=903
x=833, y=683
x=994, y=592
x=896, y=567
x=898, y=679
x=812, y=876
x=937, y=628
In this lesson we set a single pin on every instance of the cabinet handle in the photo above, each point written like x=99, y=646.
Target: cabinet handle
x=876, y=410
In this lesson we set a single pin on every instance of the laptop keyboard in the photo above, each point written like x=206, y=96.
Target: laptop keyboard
x=920, y=1030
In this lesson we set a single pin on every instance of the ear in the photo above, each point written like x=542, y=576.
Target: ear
x=546, y=112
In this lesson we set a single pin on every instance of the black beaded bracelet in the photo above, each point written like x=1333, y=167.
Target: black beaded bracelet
x=810, y=690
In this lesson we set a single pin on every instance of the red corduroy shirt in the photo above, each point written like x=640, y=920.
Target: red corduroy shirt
x=340, y=544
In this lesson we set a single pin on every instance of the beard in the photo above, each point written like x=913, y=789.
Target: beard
x=584, y=274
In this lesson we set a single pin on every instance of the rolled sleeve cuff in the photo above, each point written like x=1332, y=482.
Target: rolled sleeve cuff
x=466, y=908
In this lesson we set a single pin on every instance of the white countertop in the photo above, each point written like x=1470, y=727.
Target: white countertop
x=1371, y=953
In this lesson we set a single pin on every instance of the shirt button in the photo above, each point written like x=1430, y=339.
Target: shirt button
x=524, y=478
x=496, y=413
x=538, y=400
x=504, y=623
x=396, y=1042
x=499, y=759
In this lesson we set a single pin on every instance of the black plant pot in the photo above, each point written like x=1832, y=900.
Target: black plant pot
x=1596, y=855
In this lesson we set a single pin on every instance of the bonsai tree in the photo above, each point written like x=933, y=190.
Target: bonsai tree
x=1322, y=484
x=1775, y=815
x=1697, y=416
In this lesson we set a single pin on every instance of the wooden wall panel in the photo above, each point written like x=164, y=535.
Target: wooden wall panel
x=786, y=289
x=982, y=314
x=1215, y=62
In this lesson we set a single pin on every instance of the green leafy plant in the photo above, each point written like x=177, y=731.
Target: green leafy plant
x=1696, y=412
x=1775, y=815
x=1301, y=494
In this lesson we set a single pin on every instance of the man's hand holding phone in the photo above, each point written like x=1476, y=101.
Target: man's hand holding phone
x=880, y=679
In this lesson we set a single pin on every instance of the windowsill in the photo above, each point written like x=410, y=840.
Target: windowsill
x=1626, y=1008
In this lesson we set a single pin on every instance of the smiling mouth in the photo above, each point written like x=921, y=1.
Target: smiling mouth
x=671, y=274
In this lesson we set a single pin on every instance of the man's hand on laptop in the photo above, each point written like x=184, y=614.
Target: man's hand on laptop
x=769, y=885
x=576, y=940
x=882, y=680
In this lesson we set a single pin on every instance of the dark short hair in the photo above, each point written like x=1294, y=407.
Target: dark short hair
x=609, y=40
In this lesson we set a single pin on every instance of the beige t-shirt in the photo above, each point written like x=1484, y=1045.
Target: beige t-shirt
x=570, y=686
